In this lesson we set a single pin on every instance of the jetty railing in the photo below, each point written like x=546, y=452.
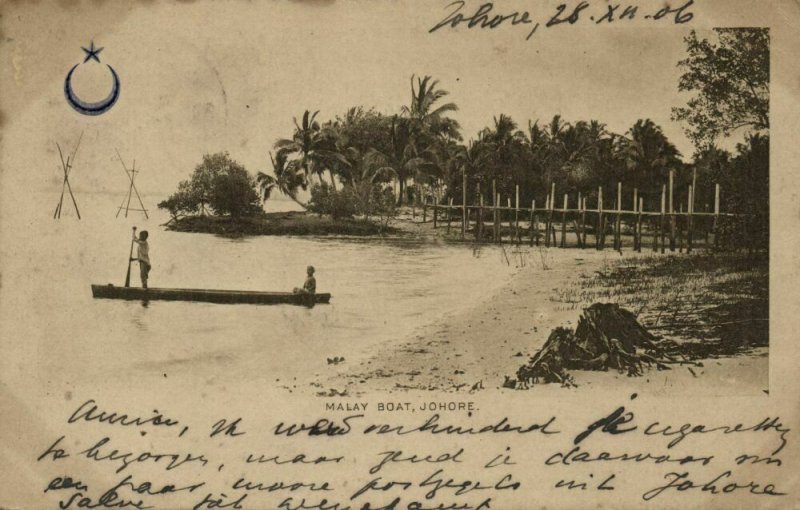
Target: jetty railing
x=671, y=226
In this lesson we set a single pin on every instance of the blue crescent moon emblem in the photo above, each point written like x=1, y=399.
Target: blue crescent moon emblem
x=91, y=108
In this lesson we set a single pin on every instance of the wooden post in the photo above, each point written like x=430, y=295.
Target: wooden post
x=636, y=219
x=617, y=232
x=449, y=213
x=497, y=233
x=508, y=208
x=530, y=227
x=464, y=216
x=549, y=224
x=655, y=236
x=716, y=215
x=480, y=219
x=435, y=204
x=662, y=223
x=680, y=229
x=639, y=226
x=516, y=215
x=552, y=217
x=689, y=211
x=564, y=223
x=671, y=211
x=598, y=234
x=547, y=221
x=414, y=204
x=583, y=222
x=579, y=221
x=546, y=228
x=494, y=210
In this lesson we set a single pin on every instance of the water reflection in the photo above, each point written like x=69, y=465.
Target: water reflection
x=383, y=291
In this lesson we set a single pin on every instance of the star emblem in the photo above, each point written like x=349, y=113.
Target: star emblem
x=91, y=53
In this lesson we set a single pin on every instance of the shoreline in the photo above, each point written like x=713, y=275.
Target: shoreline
x=476, y=348
x=289, y=223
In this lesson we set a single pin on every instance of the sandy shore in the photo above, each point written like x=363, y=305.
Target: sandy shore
x=474, y=349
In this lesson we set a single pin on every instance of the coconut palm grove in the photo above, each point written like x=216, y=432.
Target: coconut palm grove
x=364, y=163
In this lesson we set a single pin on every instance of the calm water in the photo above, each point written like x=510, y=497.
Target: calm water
x=382, y=292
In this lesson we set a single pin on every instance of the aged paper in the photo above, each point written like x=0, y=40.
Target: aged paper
x=418, y=364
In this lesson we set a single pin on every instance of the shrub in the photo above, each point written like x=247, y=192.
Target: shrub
x=219, y=182
x=337, y=204
x=182, y=202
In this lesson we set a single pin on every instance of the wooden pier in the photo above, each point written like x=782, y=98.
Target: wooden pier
x=660, y=225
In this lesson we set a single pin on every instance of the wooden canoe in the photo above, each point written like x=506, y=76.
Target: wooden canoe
x=209, y=296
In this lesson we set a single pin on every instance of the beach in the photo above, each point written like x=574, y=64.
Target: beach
x=475, y=349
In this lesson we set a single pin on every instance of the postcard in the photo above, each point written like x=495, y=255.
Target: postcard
x=399, y=254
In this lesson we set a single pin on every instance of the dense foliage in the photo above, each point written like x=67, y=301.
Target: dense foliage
x=353, y=163
x=362, y=199
x=218, y=183
x=730, y=80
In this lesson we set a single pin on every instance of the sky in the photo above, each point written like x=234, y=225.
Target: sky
x=202, y=77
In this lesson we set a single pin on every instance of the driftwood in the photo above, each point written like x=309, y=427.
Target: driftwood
x=607, y=337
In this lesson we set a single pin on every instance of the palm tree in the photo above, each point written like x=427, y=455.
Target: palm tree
x=648, y=154
x=426, y=115
x=504, y=154
x=403, y=157
x=287, y=180
x=367, y=168
x=314, y=145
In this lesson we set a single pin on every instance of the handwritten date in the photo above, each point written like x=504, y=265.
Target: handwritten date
x=486, y=17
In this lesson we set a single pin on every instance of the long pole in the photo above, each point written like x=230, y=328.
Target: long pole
x=618, y=223
x=464, y=217
x=479, y=215
x=141, y=204
x=63, y=184
x=671, y=211
x=547, y=221
x=130, y=192
x=449, y=214
x=636, y=224
x=580, y=228
x=494, y=210
x=599, y=235
x=716, y=215
x=516, y=214
x=564, y=223
x=480, y=218
x=130, y=259
x=530, y=227
x=583, y=222
x=639, y=226
x=662, y=225
x=510, y=226
x=550, y=227
x=689, y=211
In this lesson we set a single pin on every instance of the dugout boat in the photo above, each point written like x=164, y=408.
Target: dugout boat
x=208, y=296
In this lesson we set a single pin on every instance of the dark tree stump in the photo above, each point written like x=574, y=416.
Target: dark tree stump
x=607, y=336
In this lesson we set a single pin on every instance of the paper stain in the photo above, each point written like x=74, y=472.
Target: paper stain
x=16, y=61
x=224, y=94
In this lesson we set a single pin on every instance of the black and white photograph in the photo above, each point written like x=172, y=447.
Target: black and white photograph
x=398, y=254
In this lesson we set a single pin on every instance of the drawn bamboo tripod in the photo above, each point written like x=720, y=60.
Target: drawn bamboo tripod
x=126, y=202
x=66, y=166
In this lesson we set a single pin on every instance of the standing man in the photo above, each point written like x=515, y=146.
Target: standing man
x=143, y=256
